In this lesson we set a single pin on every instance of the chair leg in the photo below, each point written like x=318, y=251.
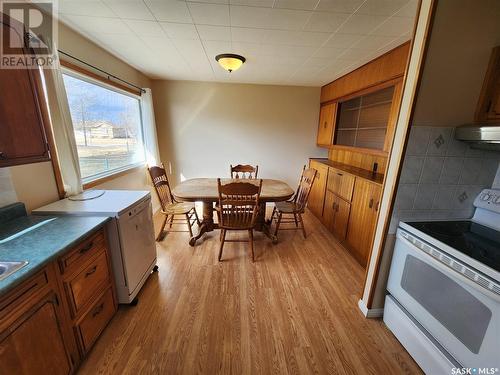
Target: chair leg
x=296, y=222
x=280, y=214
x=223, y=231
x=189, y=226
x=302, y=225
x=171, y=221
x=272, y=215
x=160, y=234
x=196, y=216
x=250, y=237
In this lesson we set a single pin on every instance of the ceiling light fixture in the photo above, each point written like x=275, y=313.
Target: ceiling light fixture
x=230, y=61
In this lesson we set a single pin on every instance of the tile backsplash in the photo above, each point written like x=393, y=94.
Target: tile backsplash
x=441, y=176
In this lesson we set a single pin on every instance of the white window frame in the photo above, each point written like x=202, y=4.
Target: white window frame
x=115, y=171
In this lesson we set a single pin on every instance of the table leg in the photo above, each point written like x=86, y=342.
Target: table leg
x=264, y=226
x=207, y=224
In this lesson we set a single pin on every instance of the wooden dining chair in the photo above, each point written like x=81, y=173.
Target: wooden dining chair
x=169, y=206
x=296, y=206
x=244, y=171
x=237, y=210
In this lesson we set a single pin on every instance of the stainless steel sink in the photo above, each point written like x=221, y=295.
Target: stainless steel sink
x=8, y=268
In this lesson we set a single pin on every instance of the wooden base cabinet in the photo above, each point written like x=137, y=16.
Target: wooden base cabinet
x=317, y=194
x=336, y=214
x=347, y=205
x=32, y=339
x=363, y=218
x=50, y=322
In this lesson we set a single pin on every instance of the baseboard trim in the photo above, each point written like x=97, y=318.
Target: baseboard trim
x=370, y=313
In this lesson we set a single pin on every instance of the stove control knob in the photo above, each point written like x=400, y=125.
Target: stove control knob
x=485, y=197
x=497, y=200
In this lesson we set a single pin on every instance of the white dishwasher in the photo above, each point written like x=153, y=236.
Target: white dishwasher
x=130, y=233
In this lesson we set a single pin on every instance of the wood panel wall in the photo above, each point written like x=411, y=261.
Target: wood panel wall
x=389, y=66
x=358, y=159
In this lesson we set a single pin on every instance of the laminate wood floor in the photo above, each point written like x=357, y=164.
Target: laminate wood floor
x=294, y=311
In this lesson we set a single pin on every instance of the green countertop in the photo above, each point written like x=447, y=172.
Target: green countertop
x=40, y=240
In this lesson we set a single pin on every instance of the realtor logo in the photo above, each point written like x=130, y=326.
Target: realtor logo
x=27, y=34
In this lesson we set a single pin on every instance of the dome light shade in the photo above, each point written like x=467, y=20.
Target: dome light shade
x=230, y=61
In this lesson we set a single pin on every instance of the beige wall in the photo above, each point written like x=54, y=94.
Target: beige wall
x=205, y=127
x=34, y=184
x=463, y=35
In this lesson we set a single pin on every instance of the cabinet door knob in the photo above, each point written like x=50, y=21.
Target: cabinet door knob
x=325, y=124
x=370, y=205
x=376, y=206
x=3, y=156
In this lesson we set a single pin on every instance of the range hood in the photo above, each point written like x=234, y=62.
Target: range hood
x=486, y=136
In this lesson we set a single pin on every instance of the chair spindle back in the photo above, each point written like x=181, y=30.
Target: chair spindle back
x=304, y=188
x=161, y=185
x=244, y=171
x=238, y=204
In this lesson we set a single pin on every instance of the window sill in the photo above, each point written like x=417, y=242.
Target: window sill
x=112, y=176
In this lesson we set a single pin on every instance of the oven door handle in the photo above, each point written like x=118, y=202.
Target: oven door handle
x=443, y=267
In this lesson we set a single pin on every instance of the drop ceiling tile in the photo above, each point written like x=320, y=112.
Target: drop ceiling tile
x=210, y=1
x=210, y=14
x=244, y=34
x=339, y=40
x=283, y=19
x=171, y=11
x=132, y=9
x=287, y=51
x=246, y=49
x=96, y=25
x=160, y=44
x=409, y=10
x=395, y=26
x=85, y=8
x=345, y=6
x=253, y=3
x=288, y=19
x=190, y=49
x=297, y=38
x=208, y=32
x=381, y=7
x=179, y=30
x=144, y=28
x=296, y=4
x=362, y=24
x=254, y=17
x=354, y=54
x=373, y=42
x=328, y=52
x=325, y=21
x=216, y=47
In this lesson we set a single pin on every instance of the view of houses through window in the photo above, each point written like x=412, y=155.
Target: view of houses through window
x=107, y=127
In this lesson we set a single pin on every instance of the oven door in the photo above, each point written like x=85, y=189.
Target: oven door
x=461, y=315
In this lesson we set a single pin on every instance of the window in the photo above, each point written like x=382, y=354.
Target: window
x=107, y=126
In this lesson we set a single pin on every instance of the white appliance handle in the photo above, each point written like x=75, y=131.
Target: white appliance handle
x=447, y=269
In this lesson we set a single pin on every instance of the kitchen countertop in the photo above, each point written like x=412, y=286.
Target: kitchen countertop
x=377, y=178
x=40, y=240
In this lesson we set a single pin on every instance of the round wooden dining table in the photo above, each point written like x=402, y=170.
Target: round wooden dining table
x=205, y=190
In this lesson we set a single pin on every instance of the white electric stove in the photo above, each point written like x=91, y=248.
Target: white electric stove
x=444, y=290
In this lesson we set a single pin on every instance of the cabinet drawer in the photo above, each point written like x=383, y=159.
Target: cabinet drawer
x=96, y=320
x=88, y=282
x=340, y=183
x=21, y=295
x=81, y=253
